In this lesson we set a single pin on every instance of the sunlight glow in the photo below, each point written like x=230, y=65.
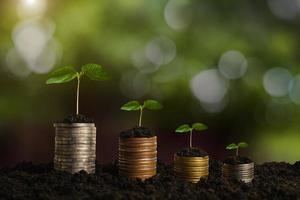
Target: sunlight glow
x=31, y=8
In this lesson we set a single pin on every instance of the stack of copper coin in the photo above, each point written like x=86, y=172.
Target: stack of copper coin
x=243, y=172
x=138, y=157
x=191, y=169
x=75, y=147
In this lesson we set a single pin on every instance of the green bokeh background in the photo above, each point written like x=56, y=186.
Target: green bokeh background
x=112, y=33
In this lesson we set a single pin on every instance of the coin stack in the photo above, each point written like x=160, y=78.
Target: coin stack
x=75, y=147
x=191, y=169
x=243, y=172
x=138, y=157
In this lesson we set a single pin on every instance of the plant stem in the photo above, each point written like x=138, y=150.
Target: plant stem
x=141, y=115
x=77, y=96
x=191, y=137
x=237, y=152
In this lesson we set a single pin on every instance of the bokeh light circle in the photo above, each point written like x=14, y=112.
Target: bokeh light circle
x=233, y=64
x=140, y=62
x=284, y=9
x=177, y=14
x=276, y=81
x=209, y=86
x=160, y=50
x=34, y=42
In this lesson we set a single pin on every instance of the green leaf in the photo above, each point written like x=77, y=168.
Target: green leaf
x=152, y=105
x=232, y=146
x=95, y=72
x=131, y=106
x=199, y=126
x=62, y=75
x=183, y=129
x=243, y=144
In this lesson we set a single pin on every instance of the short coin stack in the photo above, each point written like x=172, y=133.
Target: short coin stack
x=138, y=157
x=191, y=169
x=75, y=147
x=243, y=172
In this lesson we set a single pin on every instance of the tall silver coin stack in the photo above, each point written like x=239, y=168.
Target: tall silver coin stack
x=75, y=147
x=243, y=172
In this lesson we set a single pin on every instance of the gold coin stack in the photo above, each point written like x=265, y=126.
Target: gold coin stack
x=138, y=157
x=191, y=169
x=75, y=147
x=243, y=172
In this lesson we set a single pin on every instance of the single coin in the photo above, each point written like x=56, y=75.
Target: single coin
x=138, y=174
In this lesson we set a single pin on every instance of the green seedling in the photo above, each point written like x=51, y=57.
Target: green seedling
x=135, y=105
x=65, y=74
x=236, y=147
x=185, y=128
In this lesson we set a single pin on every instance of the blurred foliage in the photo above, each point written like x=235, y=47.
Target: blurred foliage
x=115, y=34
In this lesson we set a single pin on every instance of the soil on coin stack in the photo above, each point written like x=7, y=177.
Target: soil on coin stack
x=191, y=152
x=137, y=132
x=236, y=160
x=28, y=181
x=77, y=119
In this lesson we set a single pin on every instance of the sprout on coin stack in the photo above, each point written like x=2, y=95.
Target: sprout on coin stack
x=75, y=136
x=238, y=167
x=138, y=146
x=192, y=163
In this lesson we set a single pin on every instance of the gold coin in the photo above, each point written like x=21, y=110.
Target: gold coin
x=137, y=140
x=130, y=150
x=191, y=169
x=139, y=174
x=137, y=157
x=133, y=156
x=138, y=161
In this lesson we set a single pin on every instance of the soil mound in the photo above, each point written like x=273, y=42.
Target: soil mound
x=29, y=181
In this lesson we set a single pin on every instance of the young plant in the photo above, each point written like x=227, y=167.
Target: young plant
x=236, y=147
x=185, y=128
x=65, y=74
x=135, y=105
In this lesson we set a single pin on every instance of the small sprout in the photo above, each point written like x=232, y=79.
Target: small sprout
x=65, y=74
x=135, y=105
x=236, y=147
x=185, y=128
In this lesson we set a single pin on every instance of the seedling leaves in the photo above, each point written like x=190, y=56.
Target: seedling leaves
x=232, y=146
x=131, y=106
x=199, y=127
x=243, y=144
x=94, y=72
x=152, y=105
x=183, y=129
x=62, y=75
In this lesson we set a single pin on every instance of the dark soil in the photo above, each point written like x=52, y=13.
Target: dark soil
x=137, y=132
x=236, y=160
x=191, y=152
x=77, y=119
x=27, y=181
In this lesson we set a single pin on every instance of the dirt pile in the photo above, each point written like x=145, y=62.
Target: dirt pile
x=28, y=181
